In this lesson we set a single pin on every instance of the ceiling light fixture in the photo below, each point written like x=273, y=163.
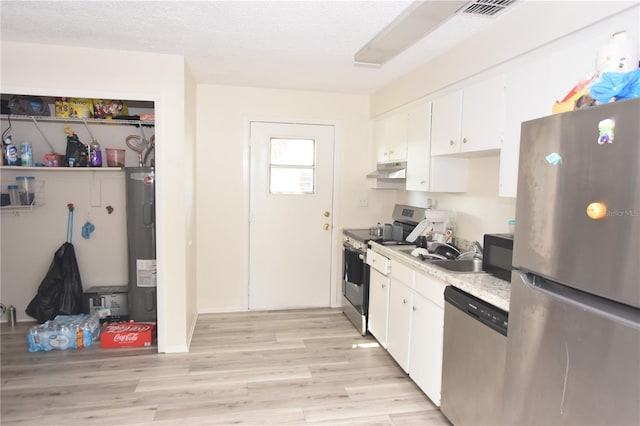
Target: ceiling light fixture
x=418, y=20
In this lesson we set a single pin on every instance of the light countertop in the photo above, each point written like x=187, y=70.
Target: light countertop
x=479, y=284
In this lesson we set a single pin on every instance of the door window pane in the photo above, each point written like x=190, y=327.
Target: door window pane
x=292, y=166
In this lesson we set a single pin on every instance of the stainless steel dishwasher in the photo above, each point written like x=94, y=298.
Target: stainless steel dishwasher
x=473, y=361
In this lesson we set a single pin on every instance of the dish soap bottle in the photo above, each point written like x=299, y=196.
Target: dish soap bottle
x=95, y=155
x=11, y=152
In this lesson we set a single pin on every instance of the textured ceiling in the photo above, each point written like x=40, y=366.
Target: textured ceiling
x=282, y=44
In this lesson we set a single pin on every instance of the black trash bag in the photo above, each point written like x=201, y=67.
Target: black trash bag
x=60, y=292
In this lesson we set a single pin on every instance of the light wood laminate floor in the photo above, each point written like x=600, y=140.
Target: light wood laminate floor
x=300, y=367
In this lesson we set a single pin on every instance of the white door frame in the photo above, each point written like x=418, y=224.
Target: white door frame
x=335, y=286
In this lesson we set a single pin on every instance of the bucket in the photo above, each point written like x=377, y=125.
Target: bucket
x=115, y=157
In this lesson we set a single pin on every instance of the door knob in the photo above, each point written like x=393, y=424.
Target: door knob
x=327, y=214
x=325, y=226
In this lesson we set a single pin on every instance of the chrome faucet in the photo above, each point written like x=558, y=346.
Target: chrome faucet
x=477, y=249
x=474, y=253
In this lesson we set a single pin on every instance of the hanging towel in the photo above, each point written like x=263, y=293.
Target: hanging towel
x=353, y=271
x=87, y=229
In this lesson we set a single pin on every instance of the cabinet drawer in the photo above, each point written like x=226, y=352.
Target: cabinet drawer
x=402, y=273
x=431, y=288
x=378, y=262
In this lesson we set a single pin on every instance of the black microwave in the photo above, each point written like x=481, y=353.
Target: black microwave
x=497, y=255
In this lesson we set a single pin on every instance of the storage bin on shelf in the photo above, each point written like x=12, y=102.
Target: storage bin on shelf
x=26, y=193
x=30, y=191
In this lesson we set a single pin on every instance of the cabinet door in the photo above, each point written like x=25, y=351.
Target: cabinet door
x=378, y=306
x=399, y=323
x=397, y=136
x=425, y=358
x=390, y=137
x=446, y=121
x=418, y=147
x=483, y=115
x=379, y=139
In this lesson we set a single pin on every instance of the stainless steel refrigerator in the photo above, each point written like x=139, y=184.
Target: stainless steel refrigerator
x=141, y=236
x=573, y=346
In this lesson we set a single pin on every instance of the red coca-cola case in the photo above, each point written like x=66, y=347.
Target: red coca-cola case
x=127, y=334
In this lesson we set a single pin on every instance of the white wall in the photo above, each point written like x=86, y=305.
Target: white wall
x=537, y=76
x=478, y=211
x=96, y=73
x=191, y=248
x=222, y=185
x=531, y=24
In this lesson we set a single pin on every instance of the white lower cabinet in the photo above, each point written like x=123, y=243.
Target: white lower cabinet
x=425, y=354
x=412, y=305
x=378, y=306
x=399, y=326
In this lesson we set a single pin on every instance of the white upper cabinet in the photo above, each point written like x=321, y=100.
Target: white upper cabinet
x=483, y=111
x=446, y=122
x=418, y=147
x=469, y=120
x=426, y=173
x=390, y=137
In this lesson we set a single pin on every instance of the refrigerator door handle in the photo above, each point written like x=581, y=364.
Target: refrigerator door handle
x=620, y=313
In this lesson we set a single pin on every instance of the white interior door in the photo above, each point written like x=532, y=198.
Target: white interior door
x=290, y=215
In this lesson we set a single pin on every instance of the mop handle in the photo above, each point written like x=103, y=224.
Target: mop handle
x=70, y=223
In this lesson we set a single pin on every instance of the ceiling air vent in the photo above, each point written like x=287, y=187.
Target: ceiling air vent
x=486, y=7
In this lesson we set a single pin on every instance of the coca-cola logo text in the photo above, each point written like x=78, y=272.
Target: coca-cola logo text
x=125, y=338
x=127, y=327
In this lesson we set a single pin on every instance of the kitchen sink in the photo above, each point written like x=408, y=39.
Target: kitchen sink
x=461, y=266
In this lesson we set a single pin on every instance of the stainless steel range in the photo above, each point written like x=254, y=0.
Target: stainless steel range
x=355, y=276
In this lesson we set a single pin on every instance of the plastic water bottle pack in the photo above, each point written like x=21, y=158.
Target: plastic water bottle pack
x=64, y=332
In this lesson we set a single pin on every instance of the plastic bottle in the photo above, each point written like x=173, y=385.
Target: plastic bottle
x=14, y=195
x=11, y=152
x=95, y=155
x=26, y=154
x=33, y=339
x=26, y=189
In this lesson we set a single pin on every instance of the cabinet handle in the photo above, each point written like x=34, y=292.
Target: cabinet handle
x=404, y=301
x=414, y=308
x=383, y=286
x=422, y=182
x=464, y=140
x=451, y=142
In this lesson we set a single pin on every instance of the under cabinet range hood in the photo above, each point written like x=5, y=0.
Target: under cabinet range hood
x=395, y=172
